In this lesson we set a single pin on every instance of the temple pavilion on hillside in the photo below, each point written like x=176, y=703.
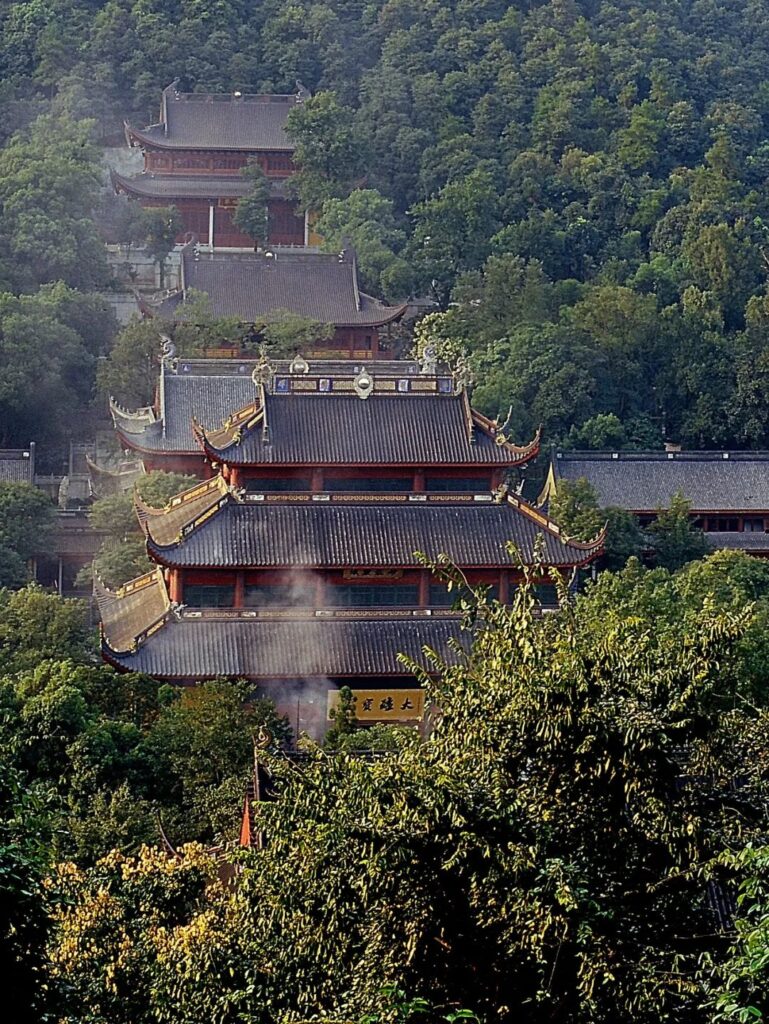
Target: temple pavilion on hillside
x=295, y=565
x=728, y=491
x=259, y=287
x=193, y=159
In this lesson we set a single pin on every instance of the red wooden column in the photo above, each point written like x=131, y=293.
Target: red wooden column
x=176, y=586
x=424, y=588
x=316, y=484
x=240, y=589
x=419, y=481
x=504, y=586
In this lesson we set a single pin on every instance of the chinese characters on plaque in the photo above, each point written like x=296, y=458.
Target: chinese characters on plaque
x=384, y=705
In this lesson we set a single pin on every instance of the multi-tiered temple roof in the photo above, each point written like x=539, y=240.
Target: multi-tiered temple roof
x=194, y=156
x=213, y=525
x=205, y=644
x=217, y=527
x=162, y=190
x=308, y=413
x=306, y=557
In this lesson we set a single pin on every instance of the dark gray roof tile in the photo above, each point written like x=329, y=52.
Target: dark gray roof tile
x=252, y=287
x=289, y=649
x=646, y=481
x=154, y=186
x=383, y=429
x=249, y=122
x=333, y=429
x=324, y=534
x=738, y=541
x=188, y=397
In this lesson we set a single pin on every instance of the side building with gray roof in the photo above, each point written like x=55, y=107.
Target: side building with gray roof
x=728, y=491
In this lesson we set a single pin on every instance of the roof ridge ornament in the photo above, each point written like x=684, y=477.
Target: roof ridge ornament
x=500, y=428
x=167, y=350
x=298, y=365
x=264, y=371
x=363, y=383
x=428, y=364
x=463, y=375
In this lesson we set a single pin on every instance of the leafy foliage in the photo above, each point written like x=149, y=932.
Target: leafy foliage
x=26, y=517
x=106, y=753
x=159, y=227
x=47, y=177
x=466, y=867
x=740, y=991
x=123, y=555
x=675, y=540
x=670, y=541
x=251, y=212
x=289, y=333
x=366, y=220
x=575, y=508
x=24, y=858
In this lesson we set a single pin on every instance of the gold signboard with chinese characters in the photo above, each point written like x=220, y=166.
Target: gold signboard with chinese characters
x=372, y=574
x=383, y=705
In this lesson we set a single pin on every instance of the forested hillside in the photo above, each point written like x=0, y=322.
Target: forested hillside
x=582, y=185
x=582, y=190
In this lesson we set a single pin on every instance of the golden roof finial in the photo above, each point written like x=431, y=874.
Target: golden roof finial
x=263, y=371
x=463, y=375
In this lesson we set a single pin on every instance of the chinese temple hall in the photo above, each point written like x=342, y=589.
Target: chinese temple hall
x=193, y=159
x=301, y=426
x=728, y=491
x=295, y=563
x=256, y=288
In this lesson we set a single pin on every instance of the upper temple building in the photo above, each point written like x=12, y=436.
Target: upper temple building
x=193, y=159
x=320, y=426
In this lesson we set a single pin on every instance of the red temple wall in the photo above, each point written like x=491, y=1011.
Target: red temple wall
x=284, y=226
x=317, y=479
x=206, y=162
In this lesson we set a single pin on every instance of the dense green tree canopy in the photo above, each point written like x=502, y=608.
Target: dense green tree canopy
x=251, y=212
x=48, y=178
x=545, y=853
x=123, y=554
x=26, y=516
x=582, y=188
x=616, y=153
